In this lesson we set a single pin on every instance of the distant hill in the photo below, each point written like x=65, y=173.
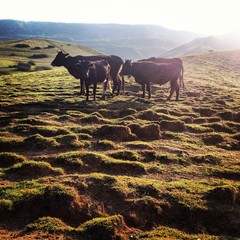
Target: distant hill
x=127, y=41
x=200, y=45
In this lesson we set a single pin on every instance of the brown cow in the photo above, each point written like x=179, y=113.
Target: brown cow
x=69, y=62
x=92, y=73
x=146, y=73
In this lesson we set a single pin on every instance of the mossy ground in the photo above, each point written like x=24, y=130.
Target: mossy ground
x=63, y=175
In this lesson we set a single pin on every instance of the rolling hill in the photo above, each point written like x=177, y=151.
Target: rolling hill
x=121, y=168
x=126, y=41
x=201, y=45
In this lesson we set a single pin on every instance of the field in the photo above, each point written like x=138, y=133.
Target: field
x=121, y=168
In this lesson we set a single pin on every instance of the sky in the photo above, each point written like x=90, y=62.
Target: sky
x=208, y=17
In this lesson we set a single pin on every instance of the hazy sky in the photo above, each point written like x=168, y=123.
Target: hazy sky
x=210, y=17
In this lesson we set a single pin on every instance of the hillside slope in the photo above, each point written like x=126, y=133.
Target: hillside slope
x=39, y=52
x=125, y=167
x=127, y=41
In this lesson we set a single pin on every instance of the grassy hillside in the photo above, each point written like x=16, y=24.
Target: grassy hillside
x=38, y=52
x=125, y=167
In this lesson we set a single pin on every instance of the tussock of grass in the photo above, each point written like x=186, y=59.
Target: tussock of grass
x=46, y=131
x=94, y=119
x=213, y=139
x=146, y=131
x=171, y=135
x=48, y=224
x=220, y=127
x=205, y=112
x=100, y=162
x=9, y=159
x=112, y=227
x=126, y=155
x=197, y=128
x=167, y=233
x=69, y=161
x=150, y=209
x=31, y=200
x=95, y=162
x=10, y=144
x=223, y=195
x=69, y=141
x=236, y=136
x=150, y=115
x=173, y=126
x=116, y=132
x=85, y=136
x=105, y=145
x=38, y=142
x=208, y=159
x=32, y=169
x=167, y=158
x=226, y=115
x=148, y=155
x=232, y=173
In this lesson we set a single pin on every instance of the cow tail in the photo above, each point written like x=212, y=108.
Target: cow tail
x=123, y=84
x=181, y=79
x=109, y=86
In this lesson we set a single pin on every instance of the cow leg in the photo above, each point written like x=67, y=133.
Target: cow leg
x=143, y=89
x=114, y=86
x=123, y=84
x=108, y=85
x=87, y=89
x=105, y=85
x=148, y=89
x=177, y=92
x=94, y=91
x=174, y=87
x=82, y=87
x=119, y=86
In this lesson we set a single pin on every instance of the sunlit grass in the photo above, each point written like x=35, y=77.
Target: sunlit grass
x=77, y=150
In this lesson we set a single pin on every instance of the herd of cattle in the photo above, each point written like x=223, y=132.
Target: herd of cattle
x=101, y=69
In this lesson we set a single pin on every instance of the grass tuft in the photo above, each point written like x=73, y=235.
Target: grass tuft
x=9, y=159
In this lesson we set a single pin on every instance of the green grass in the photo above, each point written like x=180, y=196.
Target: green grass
x=72, y=168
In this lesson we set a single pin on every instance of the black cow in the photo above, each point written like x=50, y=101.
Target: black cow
x=146, y=73
x=69, y=62
x=92, y=73
x=176, y=61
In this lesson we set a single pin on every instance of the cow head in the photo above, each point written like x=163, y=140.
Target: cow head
x=83, y=68
x=59, y=59
x=126, y=67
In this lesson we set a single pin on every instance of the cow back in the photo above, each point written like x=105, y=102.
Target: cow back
x=115, y=62
x=159, y=73
x=162, y=60
x=99, y=70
